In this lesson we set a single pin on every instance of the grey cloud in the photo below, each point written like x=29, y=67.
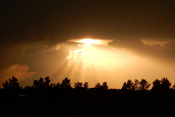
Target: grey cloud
x=30, y=26
x=166, y=52
x=26, y=21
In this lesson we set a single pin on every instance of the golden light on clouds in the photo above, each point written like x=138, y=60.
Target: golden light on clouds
x=89, y=51
x=20, y=71
x=95, y=61
x=89, y=41
x=92, y=60
x=152, y=42
x=142, y=45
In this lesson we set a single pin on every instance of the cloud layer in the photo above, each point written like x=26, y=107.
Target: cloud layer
x=26, y=21
x=19, y=71
x=33, y=32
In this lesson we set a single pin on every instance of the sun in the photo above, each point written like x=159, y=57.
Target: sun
x=89, y=52
x=89, y=41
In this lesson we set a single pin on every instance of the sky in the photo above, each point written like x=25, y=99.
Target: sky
x=36, y=40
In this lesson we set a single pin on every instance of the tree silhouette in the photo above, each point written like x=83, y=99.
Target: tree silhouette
x=136, y=84
x=44, y=87
x=165, y=83
x=38, y=84
x=55, y=85
x=44, y=92
x=12, y=84
x=78, y=85
x=47, y=82
x=97, y=85
x=129, y=85
x=162, y=85
x=124, y=87
x=66, y=83
x=86, y=85
x=103, y=86
x=156, y=83
x=144, y=85
x=42, y=83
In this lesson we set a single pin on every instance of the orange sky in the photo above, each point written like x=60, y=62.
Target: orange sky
x=133, y=40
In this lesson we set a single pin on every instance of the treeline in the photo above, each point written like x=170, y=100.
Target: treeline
x=132, y=94
x=135, y=98
x=162, y=85
x=12, y=85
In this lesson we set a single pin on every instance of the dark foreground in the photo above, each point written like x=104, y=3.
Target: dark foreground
x=93, y=103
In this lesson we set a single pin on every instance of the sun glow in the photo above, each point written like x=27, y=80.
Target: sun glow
x=96, y=53
x=86, y=52
x=96, y=62
x=89, y=41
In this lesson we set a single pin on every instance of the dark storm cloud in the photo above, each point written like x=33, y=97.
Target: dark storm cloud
x=27, y=24
x=26, y=21
x=30, y=30
x=161, y=49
